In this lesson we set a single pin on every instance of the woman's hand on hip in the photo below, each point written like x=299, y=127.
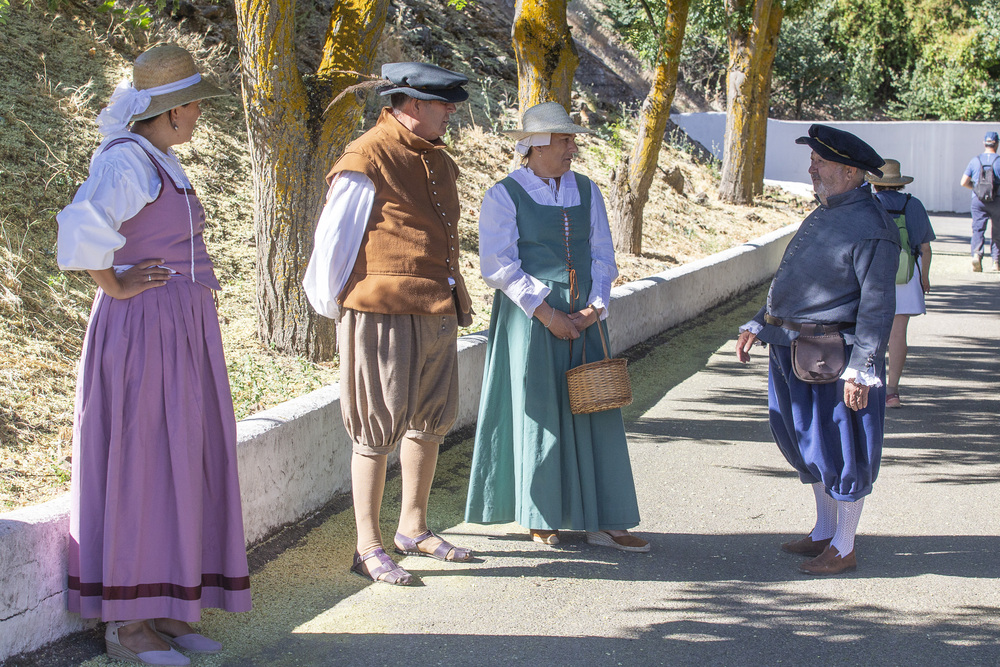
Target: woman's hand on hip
x=131, y=282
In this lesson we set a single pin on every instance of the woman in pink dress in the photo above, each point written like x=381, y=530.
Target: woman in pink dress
x=156, y=528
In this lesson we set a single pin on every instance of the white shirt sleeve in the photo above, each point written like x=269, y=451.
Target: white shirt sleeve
x=339, y=233
x=498, y=256
x=603, y=269
x=122, y=181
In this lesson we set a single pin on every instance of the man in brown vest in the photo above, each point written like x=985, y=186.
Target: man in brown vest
x=386, y=263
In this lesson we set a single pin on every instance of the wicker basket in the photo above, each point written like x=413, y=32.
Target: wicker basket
x=599, y=385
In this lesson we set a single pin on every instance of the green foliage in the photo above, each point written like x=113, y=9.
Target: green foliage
x=843, y=58
x=807, y=69
x=137, y=16
x=28, y=4
x=956, y=75
x=631, y=21
x=705, y=51
x=460, y=5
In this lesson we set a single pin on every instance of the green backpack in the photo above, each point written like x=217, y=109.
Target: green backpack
x=907, y=260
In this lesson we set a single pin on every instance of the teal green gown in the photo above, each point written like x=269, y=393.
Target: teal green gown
x=535, y=462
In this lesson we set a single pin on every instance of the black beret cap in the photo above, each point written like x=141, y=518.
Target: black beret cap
x=425, y=82
x=843, y=147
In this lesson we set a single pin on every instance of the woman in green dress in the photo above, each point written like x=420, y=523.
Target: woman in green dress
x=545, y=245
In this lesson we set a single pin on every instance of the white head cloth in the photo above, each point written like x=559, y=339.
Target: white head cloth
x=126, y=102
x=538, y=139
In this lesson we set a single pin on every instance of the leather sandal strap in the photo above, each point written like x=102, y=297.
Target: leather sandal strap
x=386, y=566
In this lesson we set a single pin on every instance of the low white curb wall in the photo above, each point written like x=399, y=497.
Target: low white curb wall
x=294, y=458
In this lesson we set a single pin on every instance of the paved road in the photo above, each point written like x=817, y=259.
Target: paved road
x=717, y=500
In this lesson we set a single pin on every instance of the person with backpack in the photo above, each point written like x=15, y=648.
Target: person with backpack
x=982, y=177
x=912, y=277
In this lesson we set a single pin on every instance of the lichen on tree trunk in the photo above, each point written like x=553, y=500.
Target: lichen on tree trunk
x=292, y=144
x=763, y=100
x=545, y=52
x=749, y=22
x=631, y=180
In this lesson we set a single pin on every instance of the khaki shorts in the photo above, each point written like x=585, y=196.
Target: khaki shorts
x=398, y=378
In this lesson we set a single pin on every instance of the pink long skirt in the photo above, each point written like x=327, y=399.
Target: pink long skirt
x=156, y=528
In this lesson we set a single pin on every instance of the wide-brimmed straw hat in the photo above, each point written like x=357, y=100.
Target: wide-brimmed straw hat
x=163, y=65
x=890, y=175
x=546, y=118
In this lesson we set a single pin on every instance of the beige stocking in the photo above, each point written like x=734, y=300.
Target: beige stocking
x=417, y=462
x=367, y=487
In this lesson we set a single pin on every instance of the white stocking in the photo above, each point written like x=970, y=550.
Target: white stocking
x=826, y=514
x=847, y=525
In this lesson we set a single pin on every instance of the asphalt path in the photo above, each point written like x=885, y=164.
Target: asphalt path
x=717, y=499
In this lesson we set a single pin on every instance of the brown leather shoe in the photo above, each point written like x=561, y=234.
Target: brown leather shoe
x=829, y=562
x=806, y=546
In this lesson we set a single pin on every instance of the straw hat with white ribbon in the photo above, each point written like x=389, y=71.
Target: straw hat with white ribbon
x=163, y=77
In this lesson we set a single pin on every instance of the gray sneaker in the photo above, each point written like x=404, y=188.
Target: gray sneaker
x=977, y=264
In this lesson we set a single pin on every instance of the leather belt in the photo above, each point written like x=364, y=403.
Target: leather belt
x=817, y=329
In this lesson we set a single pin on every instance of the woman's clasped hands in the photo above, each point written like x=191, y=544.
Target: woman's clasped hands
x=567, y=326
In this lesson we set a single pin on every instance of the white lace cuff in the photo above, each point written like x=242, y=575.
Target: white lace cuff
x=861, y=377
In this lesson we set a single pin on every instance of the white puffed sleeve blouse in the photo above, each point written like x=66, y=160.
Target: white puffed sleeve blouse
x=122, y=181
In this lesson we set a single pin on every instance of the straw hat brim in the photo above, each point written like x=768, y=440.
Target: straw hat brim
x=160, y=103
x=564, y=128
x=888, y=180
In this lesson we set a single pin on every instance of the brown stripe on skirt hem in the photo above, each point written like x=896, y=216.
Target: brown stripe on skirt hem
x=159, y=590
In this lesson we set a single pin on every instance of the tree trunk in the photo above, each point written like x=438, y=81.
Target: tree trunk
x=292, y=144
x=748, y=19
x=546, y=54
x=769, y=47
x=631, y=180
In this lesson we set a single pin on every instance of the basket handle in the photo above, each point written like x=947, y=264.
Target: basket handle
x=583, y=339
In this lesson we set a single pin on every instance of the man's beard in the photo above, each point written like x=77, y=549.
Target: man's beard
x=820, y=189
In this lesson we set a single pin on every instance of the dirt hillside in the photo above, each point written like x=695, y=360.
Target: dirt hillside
x=60, y=67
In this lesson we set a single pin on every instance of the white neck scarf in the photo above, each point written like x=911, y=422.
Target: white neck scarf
x=126, y=102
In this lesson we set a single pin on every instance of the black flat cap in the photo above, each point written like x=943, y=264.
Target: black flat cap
x=843, y=147
x=425, y=82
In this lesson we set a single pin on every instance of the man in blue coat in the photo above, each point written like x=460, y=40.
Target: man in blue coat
x=836, y=279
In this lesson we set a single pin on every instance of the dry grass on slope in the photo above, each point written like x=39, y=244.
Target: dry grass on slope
x=60, y=70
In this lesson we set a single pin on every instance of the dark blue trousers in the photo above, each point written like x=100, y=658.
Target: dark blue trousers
x=981, y=215
x=822, y=438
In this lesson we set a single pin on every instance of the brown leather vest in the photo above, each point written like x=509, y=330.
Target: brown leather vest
x=410, y=247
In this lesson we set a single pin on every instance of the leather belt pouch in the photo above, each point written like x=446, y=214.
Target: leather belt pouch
x=818, y=359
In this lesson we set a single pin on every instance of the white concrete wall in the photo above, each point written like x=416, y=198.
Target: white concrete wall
x=935, y=153
x=295, y=457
